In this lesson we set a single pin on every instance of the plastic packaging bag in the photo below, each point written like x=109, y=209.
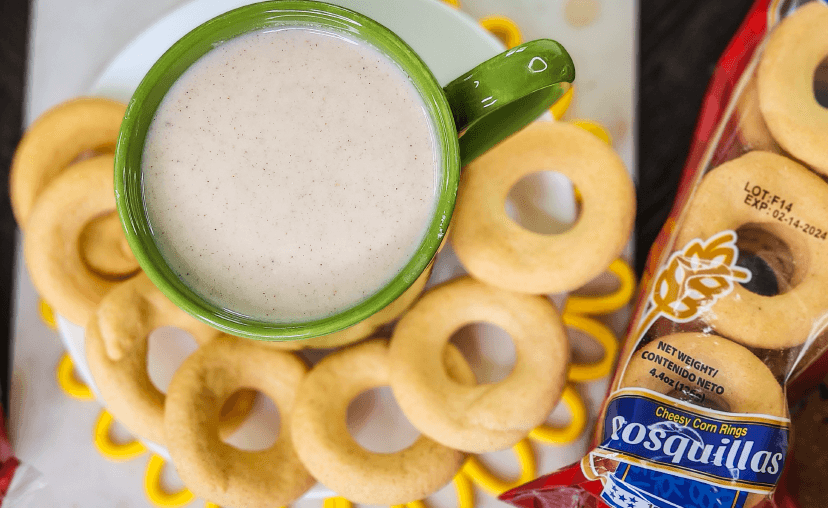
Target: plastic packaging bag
x=732, y=317
x=19, y=483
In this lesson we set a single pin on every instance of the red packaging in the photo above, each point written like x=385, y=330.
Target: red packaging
x=732, y=316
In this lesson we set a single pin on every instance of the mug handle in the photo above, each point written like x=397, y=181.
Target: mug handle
x=507, y=92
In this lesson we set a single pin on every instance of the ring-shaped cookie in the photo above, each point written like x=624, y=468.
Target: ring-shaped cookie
x=603, y=335
x=52, y=245
x=464, y=489
x=336, y=502
x=569, y=433
x=795, y=49
x=498, y=251
x=772, y=194
x=156, y=492
x=107, y=447
x=558, y=110
x=753, y=131
x=595, y=129
x=105, y=248
x=211, y=468
x=504, y=29
x=332, y=455
x=610, y=302
x=487, y=417
x=749, y=385
x=491, y=483
x=116, y=351
x=47, y=315
x=56, y=139
x=68, y=381
x=364, y=328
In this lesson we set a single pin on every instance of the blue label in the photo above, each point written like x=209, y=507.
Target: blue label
x=729, y=450
x=619, y=494
x=665, y=490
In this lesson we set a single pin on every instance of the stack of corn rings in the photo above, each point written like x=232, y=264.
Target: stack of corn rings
x=777, y=206
x=777, y=110
x=775, y=198
x=81, y=265
x=706, y=337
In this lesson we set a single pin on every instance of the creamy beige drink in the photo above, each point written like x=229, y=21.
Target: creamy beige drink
x=290, y=174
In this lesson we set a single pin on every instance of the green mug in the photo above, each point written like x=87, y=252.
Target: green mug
x=485, y=105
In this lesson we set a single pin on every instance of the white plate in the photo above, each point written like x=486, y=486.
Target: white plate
x=73, y=40
x=450, y=43
x=428, y=26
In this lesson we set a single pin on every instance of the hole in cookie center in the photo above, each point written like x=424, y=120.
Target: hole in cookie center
x=544, y=202
x=584, y=348
x=119, y=434
x=503, y=33
x=488, y=349
x=821, y=83
x=768, y=257
x=167, y=348
x=94, y=152
x=258, y=428
x=378, y=424
x=169, y=479
x=104, y=248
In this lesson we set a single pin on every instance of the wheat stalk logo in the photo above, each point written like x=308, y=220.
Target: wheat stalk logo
x=695, y=278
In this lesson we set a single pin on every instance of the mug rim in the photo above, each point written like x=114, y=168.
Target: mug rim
x=190, y=48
